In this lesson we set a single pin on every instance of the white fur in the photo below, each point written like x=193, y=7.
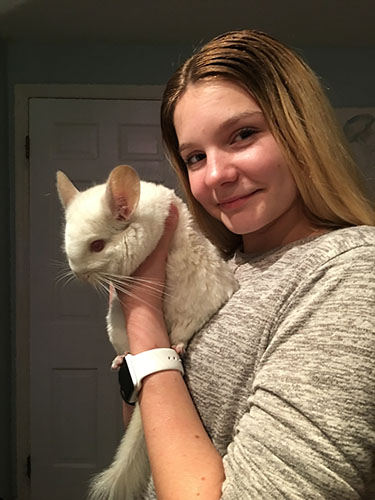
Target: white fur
x=198, y=283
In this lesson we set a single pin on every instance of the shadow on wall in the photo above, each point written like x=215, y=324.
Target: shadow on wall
x=359, y=129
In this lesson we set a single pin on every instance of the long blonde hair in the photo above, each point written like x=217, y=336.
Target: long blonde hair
x=299, y=116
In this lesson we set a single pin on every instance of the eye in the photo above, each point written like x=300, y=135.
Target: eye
x=243, y=134
x=97, y=245
x=194, y=158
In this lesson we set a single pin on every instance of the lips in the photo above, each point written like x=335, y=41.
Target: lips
x=236, y=202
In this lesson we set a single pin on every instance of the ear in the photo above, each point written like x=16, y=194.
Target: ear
x=66, y=189
x=123, y=191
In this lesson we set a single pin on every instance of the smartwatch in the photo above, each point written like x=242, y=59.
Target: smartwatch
x=136, y=367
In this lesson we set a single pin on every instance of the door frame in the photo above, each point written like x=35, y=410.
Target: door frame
x=21, y=294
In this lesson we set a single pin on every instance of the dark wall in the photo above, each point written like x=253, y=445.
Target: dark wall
x=93, y=63
x=5, y=332
x=348, y=74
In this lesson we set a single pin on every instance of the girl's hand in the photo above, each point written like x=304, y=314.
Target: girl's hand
x=169, y=417
x=143, y=307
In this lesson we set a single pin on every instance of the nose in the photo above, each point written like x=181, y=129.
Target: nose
x=219, y=169
x=78, y=272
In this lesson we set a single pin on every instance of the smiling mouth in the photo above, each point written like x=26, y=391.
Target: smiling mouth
x=236, y=202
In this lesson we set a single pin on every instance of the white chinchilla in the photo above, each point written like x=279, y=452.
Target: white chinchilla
x=110, y=229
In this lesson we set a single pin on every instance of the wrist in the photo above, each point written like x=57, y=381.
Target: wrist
x=146, y=330
x=145, y=364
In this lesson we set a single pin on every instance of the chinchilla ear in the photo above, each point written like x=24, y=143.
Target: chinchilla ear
x=66, y=189
x=123, y=191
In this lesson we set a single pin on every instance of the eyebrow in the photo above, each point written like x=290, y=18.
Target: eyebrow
x=226, y=124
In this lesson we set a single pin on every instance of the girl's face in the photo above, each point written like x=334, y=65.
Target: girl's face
x=236, y=169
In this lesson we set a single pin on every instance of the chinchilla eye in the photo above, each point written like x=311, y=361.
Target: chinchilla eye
x=97, y=245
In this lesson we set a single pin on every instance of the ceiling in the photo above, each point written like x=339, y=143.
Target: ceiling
x=320, y=23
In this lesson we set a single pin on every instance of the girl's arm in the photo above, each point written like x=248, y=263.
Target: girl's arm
x=184, y=462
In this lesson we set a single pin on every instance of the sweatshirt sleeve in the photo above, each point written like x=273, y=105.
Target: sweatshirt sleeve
x=309, y=432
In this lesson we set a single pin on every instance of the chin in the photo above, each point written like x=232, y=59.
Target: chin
x=241, y=227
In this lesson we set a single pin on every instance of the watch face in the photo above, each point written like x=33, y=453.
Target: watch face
x=126, y=384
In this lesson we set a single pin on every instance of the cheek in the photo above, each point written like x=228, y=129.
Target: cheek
x=285, y=187
x=285, y=177
x=197, y=187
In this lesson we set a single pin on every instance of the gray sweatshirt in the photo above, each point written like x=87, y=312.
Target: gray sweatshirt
x=283, y=376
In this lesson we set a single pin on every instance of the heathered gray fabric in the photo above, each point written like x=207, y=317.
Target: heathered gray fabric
x=283, y=375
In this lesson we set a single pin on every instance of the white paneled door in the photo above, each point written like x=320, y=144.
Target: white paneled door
x=75, y=403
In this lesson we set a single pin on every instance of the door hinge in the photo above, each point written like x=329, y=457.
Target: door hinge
x=27, y=147
x=28, y=466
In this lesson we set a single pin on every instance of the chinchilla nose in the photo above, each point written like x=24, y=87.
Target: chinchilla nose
x=79, y=274
x=83, y=276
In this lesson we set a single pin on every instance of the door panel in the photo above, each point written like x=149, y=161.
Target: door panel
x=75, y=403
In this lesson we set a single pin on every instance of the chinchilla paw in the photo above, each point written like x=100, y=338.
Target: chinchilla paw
x=117, y=362
x=179, y=348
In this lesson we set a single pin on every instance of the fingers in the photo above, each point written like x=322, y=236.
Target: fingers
x=172, y=218
x=111, y=292
x=169, y=228
x=157, y=259
x=153, y=267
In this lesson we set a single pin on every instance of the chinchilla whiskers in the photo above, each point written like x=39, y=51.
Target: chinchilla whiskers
x=65, y=277
x=154, y=287
x=60, y=263
x=129, y=279
x=150, y=289
x=102, y=288
x=64, y=270
x=122, y=287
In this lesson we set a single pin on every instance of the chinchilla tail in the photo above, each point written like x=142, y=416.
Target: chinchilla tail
x=129, y=472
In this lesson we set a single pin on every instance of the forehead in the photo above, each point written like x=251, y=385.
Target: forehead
x=209, y=95
x=215, y=89
x=211, y=101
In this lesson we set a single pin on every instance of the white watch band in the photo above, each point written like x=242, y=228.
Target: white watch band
x=152, y=361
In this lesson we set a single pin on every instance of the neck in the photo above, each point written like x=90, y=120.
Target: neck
x=291, y=226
